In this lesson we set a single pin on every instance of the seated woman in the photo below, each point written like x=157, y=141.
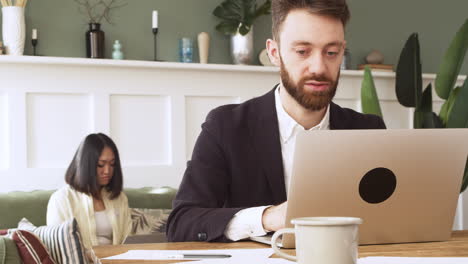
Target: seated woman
x=93, y=194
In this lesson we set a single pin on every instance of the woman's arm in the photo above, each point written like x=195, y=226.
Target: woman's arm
x=125, y=217
x=58, y=210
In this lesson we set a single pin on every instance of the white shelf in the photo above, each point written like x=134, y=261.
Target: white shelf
x=131, y=64
x=175, y=65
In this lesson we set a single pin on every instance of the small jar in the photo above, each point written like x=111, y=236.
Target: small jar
x=186, y=50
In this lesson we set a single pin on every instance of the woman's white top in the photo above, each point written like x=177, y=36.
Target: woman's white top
x=66, y=204
x=103, y=228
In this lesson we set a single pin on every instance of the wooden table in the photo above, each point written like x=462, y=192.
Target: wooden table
x=457, y=246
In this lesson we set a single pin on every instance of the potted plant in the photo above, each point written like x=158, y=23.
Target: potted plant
x=96, y=11
x=454, y=111
x=237, y=18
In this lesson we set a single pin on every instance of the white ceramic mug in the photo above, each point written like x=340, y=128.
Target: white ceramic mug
x=322, y=240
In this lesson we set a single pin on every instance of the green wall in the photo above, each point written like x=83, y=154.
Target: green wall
x=375, y=24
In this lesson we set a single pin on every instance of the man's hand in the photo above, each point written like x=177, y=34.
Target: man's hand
x=273, y=217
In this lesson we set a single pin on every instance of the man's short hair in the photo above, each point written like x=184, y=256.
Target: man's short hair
x=280, y=9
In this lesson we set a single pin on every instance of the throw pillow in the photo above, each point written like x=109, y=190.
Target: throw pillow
x=63, y=241
x=8, y=232
x=31, y=249
x=148, y=225
x=8, y=251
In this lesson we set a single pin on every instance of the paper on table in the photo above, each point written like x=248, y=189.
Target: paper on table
x=169, y=254
x=238, y=260
x=400, y=260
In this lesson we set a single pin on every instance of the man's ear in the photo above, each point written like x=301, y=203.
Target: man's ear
x=273, y=52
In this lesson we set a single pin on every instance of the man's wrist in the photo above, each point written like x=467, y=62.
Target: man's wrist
x=265, y=218
x=246, y=223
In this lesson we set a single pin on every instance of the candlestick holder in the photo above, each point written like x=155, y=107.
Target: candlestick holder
x=155, y=33
x=34, y=44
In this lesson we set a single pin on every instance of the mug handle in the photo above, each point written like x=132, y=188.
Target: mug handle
x=275, y=247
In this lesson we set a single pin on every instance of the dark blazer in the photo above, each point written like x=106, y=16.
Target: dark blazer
x=237, y=164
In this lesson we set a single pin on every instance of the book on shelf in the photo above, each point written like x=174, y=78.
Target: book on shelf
x=377, y=67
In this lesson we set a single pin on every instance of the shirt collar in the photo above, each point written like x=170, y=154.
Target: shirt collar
x=288, y=126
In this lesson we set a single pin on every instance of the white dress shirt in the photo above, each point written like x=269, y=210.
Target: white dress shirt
x=248, y=222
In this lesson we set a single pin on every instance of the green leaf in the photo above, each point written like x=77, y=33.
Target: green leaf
x=264, y=9
x=248, y=8
x=431, y=120
x=229, y=10
x=369, y=98
x=458, y=117
x=448, y=106
x=408, y=74
x=465, y=177
x=423, y=116
x=452, y=63
x=244, y=30
x=418, y=121
x=426, y=100
x=227, y=27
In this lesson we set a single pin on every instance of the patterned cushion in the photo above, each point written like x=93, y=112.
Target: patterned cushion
x=63, y=241
x=8, y=251
x=31, y=249
x=148, y=225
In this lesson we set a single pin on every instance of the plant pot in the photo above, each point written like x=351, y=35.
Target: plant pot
x=13, y=29
x=95, y=41
x=242, y=51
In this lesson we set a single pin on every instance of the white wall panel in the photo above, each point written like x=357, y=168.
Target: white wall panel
x=436, y=106
x=56, y=124
x=196, y=110
x=4, y=132
x=395, y=115
x=141, y=127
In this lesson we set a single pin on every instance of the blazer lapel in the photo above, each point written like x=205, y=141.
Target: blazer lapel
x=266, y=140
x=337, y=120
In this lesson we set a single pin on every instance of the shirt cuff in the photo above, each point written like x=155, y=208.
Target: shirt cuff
x=246, y=223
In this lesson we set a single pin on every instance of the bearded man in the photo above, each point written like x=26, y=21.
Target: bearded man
x=235, y=185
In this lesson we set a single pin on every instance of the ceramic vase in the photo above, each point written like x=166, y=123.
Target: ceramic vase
x=13, y=29
x=203, y=47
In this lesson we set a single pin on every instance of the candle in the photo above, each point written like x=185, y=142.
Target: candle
x=155, y=19
x=34, y=33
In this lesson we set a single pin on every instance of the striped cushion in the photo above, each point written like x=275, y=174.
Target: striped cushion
x=31, y=249
x=63, y=241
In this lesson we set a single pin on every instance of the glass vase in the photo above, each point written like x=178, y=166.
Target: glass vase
x=95, y=41
x=242, y=48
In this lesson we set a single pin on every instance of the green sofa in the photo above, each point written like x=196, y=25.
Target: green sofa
x=33, y=205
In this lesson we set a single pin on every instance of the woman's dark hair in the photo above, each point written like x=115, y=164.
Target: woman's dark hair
x=81, y=174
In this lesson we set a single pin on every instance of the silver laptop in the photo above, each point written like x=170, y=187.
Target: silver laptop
x=404, y=184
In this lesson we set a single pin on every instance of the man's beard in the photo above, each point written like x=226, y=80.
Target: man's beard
x=315, y=100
